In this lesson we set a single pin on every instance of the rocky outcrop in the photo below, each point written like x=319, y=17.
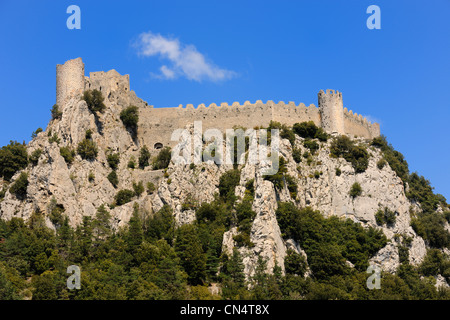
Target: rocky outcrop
x=319, y=186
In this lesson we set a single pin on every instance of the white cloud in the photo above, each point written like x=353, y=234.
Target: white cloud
x=184, y=60
x=372, y=119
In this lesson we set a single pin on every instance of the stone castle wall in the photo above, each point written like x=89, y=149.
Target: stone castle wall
x=69, y=79
x=156, y=125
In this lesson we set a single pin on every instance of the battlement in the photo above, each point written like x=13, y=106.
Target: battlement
x=157, y=124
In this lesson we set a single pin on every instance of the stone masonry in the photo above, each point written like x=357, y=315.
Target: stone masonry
x=156, y=125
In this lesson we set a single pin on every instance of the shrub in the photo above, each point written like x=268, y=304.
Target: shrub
x=56, y=114
x=112, y=177
x=277, y=178
x=88, y=134
x=54, y=138
x=138, y=188
x=328, y=242
x=150, y=187
x=381, y=163
x=355, y=190
x=123, y=196
x=189, y=203
x=309, y=130
x=295, y=263
x=312, y=145
x=130, y=118
x=316, y=174
x=68, y=154
x=162, y=160
x=338, y=172
x=113, y=160
x=35, y=155
x=144, y=157
x=249, y=192
x=91, y=177
x=435, y=263
x=87, y=149
x=385, y=216
x=297, y=155
x=13, y=157
x=403, y=254
x=227, y=184
x=19, y=187
x=394, y=158
x=34, y=134
x=358, y=156
x=94, y=100
x=132, y=163
x=421, y=191
x=56, y=212
x=192, y=166
x=447, y=216
x=430, y=226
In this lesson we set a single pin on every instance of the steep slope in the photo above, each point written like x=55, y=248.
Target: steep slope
x=322, y=182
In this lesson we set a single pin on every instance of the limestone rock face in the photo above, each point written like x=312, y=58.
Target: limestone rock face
x=81, y=187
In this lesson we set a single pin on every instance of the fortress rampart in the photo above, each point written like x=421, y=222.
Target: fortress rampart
x=156, y=125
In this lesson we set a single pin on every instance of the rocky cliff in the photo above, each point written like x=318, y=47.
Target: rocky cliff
x=82, y=186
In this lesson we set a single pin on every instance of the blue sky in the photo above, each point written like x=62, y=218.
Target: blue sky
x=226, y=51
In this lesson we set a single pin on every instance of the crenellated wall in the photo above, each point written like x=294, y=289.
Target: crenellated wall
x=156, y=125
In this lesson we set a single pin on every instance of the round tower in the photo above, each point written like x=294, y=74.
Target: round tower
x=331, y=110
x=69, y=79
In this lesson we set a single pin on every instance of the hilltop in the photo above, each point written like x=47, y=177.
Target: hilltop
x=342, y=199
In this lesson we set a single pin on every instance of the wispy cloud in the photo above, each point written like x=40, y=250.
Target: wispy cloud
x=372, y=119
x=183, y=60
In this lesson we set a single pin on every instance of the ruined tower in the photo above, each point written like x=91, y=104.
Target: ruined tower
x=69, y=79
x=331, y=111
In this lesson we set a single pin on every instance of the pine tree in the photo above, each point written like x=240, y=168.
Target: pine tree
x=189, y=248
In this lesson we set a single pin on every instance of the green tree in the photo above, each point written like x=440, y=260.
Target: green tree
x=233, y=277
x=295, y=263
x=144, y=157
x=138, y=188
x=56, y=113
x=68, y=154
x=13, y=157
x=130, y=118
x=102, y=224
x=135, y=231
x=35, y=133
x=113, y=160
x=113, y=178
x=44, y=287
x=94, y=100
x=123, y=196
x=19, y=187
x=161, y=225
x=189, y=249
x=227, y=184
x=87, y=149
x=162, y=160
x=35, y=155
x=355, y=190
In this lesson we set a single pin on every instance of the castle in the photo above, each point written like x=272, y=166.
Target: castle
x=157, y=124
